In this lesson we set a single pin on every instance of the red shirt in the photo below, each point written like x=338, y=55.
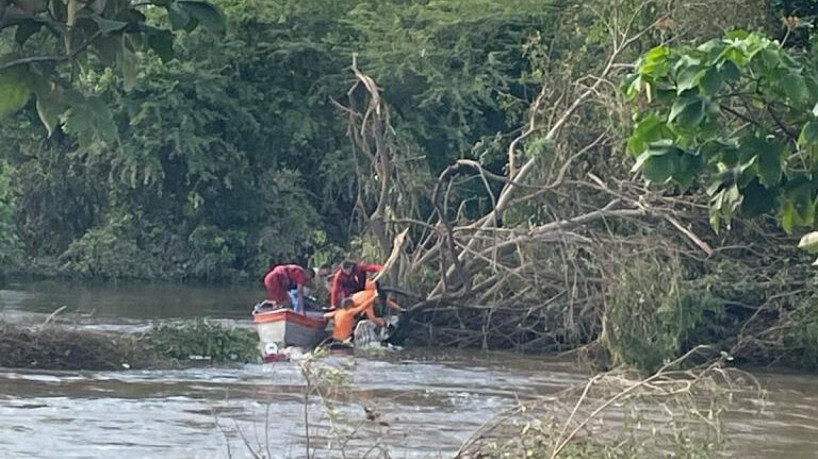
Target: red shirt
x=294, y=274
x=344, y=285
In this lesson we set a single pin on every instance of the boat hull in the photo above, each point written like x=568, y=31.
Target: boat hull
x=284, y=328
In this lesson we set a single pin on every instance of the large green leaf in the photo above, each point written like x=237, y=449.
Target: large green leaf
x=711, y=81
x=808, y=139
x=126, y=61
x=659, y=169
x=647, y=130
x=107, y=26
x=161, y=41
x=178, y=16
x=688, y=113
x=108, y=48
x=789, y=217
x=758, y=200
x=207, y=15
x=729, y=71
x=25, y=29
x=770, y=163
x=799, y=198
x=795, y=87
x=687, y=168
x=90, y=120
x=770, y=58
x=659, y=162
x=14, y=92
x=50, y=107
x=809, y=134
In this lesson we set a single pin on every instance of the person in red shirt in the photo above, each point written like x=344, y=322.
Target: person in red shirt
x=283, y=278
x=349, y=279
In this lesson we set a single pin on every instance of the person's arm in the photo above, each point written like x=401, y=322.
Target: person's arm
x=287, y=303
x=370, y=268
x=394, y=305
x=329, y=315
x=363, y=306
x=370, y=314
x=301, y=299
x=335, y=293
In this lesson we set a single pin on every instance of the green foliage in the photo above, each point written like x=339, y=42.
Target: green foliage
x=654, y=315
x=227, y=151
x=10, y=249
x=57, y=42
x=108, y=251
x=454, y=72
x=736, y=117
x=203, y=339
x=14, y=91
x=802, y=341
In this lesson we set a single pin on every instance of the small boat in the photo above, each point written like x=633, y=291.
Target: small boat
x=282, y=328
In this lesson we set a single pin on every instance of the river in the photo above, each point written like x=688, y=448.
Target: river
x=428, y=401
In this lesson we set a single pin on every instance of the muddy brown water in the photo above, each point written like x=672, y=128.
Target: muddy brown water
x=428, y=400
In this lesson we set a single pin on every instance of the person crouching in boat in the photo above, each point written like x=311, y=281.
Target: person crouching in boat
x=362, y=302
x=367, y=332
x=283, y=278
x=344, y=317
x=316, y=293
x=349, y=279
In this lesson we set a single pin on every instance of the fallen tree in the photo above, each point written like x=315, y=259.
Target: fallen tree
x=571, y=252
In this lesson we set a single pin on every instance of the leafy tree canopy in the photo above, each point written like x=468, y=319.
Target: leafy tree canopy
x=736, y=117
x=56, y=41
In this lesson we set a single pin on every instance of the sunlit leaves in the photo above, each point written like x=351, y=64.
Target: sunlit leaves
x=748, y=109
x=14, y=91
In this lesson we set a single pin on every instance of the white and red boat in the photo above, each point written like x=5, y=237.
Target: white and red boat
x=282, y=328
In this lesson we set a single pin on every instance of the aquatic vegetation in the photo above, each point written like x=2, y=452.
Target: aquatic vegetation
x=64, y=347
x=203, y=339
x=57, y=347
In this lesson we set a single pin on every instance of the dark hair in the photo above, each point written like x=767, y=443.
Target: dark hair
x=348, y=264
x=326, y=266
x=347, y=302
